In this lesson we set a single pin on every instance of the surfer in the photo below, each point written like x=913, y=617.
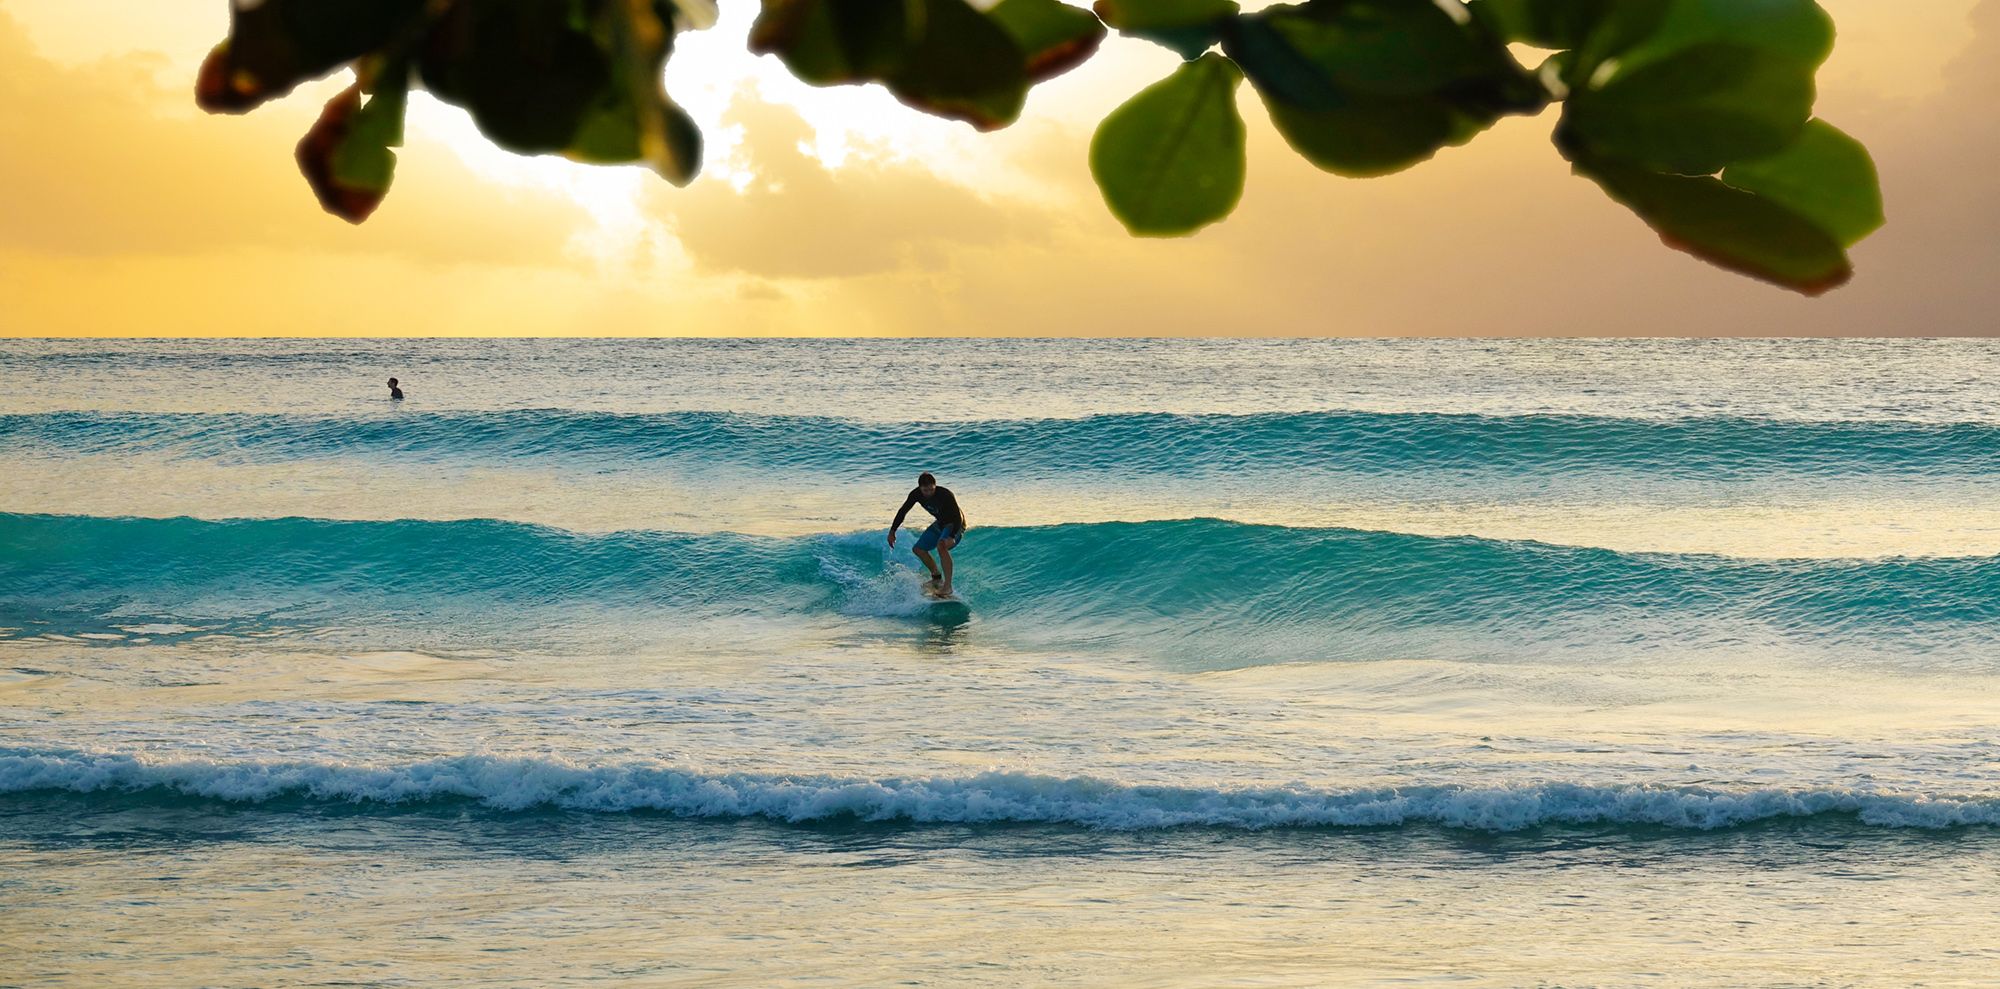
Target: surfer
x=942, y=535
x=395, y=392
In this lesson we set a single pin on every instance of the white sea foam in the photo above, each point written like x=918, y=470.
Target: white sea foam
x=511, y=784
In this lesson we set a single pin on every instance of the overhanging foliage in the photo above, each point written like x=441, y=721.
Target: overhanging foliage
x=1695, y=114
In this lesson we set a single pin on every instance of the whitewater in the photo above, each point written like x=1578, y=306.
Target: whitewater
x=1281, y=662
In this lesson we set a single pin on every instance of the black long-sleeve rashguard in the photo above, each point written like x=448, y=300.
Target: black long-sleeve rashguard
x=941, y=504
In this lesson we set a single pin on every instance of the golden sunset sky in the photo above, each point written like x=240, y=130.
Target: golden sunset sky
x=125, y=211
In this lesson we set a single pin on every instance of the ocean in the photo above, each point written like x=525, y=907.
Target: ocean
x=1279, y=663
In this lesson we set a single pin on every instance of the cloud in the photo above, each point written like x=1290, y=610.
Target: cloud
x=799, y=219
x=101, y=161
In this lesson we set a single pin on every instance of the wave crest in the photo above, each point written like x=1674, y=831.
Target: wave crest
x=1223, y=590
x=520, y=784
x=1128, y=444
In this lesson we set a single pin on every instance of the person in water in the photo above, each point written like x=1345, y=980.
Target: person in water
x=395, y=393
x=942, y=535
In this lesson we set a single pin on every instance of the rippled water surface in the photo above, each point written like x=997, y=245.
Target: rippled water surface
x=1279, y=663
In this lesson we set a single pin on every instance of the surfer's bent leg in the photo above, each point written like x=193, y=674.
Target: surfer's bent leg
x=927, y=542
x=944, y=553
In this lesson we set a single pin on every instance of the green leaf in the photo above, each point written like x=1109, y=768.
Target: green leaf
x=528, y=70
x=363, y=158
x=1370, y=87
x=830, y=42
x=1798, y=30
x=1557, y=24
x=1697, y=111
x=346, y=156
x=1189, y=27
x=633, y=119
x=1370, y=138
x=277, y=44
x=1055, y=36
x=1635, y=33
x=964, y=66
x=1307, y=54
x=1826, y=177
x=579, y=78
x=1171, y=160
x=1734, y=228
x=940, y=56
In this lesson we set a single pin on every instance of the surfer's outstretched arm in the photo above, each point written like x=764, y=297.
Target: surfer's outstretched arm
x=901, y=514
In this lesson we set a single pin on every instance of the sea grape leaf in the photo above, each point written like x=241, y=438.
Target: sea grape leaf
x=964, y=66
x=1798, y=30
x=1055, y=36
x=1734, y=228
x=347, y=155
x=1558, y=24
x=1303, y=53
x=633, y=119
x=1697, y=111
x=1189, y=27
x=830, y=42
x=1371, y=87
x=1371, y=137
x=580, y=78
x=527, y=70
x=274, y=45
x=943, y=57
x=1171, y=160
x=1826, y=177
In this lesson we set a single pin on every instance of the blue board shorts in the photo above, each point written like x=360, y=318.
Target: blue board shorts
x=938, y=530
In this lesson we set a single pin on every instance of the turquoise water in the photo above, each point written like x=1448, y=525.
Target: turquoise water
x=1281, y=663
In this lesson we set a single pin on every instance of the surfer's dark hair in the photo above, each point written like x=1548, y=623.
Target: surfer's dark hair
x=926, y=478
x=392, y=381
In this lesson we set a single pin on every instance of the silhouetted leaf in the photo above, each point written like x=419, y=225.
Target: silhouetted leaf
x=1826, y=177
x=1558, y=24
x=944, y=57
x=274, y=45
x=346, y=157
x=1644, y=31
x=580, y=78
x=829, y=42
x=964, y=66
x=1307, y=55
x=526, y=69
x=1374, y=86
x=633, y=120
x=1695, y=112
x=1189, y=27
x=1171, y=160
x=1734, y=228
x=1373, y=137
x=1055, y=36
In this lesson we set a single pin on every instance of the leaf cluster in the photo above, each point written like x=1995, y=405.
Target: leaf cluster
x=1695, y=114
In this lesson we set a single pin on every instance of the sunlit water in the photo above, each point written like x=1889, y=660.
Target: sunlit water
x=1280, y=663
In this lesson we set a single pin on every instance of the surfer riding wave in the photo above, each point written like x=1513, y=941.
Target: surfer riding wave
x=943, y=534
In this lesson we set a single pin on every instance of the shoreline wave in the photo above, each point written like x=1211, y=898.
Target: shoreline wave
x=513, y=785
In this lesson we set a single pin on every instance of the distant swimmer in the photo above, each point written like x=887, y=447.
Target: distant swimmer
x=942, y=535
x=395, y=393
